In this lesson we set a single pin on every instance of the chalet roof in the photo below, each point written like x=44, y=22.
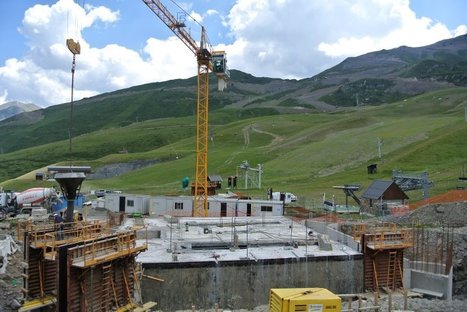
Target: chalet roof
x=214, y=178
x=377, y=189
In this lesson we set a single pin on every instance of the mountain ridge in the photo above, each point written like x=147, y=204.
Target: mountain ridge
x=12, y=108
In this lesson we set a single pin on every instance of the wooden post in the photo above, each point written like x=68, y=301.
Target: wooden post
x=405, y=299
x=216, y=307
x=359, y=302
x=350, y=303
x=376, y=300
x=389, y=300
x=193, y=308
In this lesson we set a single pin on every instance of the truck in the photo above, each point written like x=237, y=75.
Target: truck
x=7, y=203
x=12, y=203
x=285, y=197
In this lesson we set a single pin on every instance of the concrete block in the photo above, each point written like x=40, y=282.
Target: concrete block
x=324, y=243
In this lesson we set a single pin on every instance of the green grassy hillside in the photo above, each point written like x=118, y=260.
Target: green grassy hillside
x=375, y=78
x=303, y=153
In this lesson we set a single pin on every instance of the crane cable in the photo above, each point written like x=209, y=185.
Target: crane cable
x=74, y=48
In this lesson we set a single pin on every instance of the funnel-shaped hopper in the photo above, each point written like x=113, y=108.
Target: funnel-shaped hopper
x=70, y=184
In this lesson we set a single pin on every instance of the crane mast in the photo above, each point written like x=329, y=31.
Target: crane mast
x=204, y=57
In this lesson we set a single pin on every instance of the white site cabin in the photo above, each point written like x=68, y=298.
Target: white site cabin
x=218, y=206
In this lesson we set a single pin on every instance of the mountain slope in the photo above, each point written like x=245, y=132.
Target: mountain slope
x=371, y=79
x=13, y=108
x=176, y=98
x=305, y=153
x=389, y=75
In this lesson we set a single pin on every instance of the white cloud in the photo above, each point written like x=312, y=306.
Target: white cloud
x=300, y=38
x=211, y=12
x=409, y=30
x=460, y=30
x=275, y=38
x=43, y=76
x=3, y=97
x=196, y=16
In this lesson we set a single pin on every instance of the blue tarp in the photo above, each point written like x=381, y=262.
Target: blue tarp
x=62, y=204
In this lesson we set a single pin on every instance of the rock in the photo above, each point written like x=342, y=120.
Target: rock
x=5, y=225
x=15, y=304
x=3, y=284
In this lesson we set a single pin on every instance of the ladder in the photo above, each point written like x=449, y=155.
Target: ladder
x=108, y=288
x=392, y=265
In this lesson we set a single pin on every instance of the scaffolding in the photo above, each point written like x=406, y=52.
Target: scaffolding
x=383, y=252
x=80, y=266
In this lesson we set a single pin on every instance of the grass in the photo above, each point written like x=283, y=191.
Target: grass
x=305, y=154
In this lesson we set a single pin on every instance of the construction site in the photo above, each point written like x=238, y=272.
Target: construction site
x=227, y=252
x=118, y=262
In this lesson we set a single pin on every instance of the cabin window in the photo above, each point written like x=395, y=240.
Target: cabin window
x=130, y=203
x=266, y=208
x=179, y=206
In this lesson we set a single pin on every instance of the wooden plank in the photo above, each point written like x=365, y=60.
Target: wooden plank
x=145, y=307
x=37, y=303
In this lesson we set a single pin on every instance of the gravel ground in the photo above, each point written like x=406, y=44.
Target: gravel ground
x=413, y=304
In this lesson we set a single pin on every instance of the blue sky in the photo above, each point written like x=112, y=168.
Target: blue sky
x=124, y=43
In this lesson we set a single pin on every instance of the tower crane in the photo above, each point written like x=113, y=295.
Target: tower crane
x=208, y=60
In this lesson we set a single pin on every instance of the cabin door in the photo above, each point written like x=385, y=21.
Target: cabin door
x=223, y=209
x=121, y=204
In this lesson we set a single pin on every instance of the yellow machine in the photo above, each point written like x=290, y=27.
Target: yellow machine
x=208, y=60
x=303, y=299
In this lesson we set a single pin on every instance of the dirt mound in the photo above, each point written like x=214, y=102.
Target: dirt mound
x=448, y=197
x=448, y=214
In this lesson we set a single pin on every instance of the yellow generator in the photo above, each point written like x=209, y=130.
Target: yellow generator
x=303, y=299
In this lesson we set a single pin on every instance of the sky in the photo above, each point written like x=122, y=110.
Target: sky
x=123, y=43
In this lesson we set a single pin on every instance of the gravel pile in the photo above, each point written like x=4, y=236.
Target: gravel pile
x=452, y=214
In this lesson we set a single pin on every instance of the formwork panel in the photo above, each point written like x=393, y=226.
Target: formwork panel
x=104, y=281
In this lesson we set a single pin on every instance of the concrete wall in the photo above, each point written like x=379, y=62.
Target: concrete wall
x=415, y=277
x=333, y=234
x=245, y=284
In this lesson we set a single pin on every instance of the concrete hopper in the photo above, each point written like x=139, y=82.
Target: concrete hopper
x=70, y=179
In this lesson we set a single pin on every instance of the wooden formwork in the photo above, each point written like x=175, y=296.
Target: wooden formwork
x=103, y=287
x=383, y=253
x=79, y=267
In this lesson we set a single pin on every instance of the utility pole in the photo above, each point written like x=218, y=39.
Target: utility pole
x=380, y=143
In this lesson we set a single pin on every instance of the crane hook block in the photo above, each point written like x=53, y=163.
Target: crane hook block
x=74, y=47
